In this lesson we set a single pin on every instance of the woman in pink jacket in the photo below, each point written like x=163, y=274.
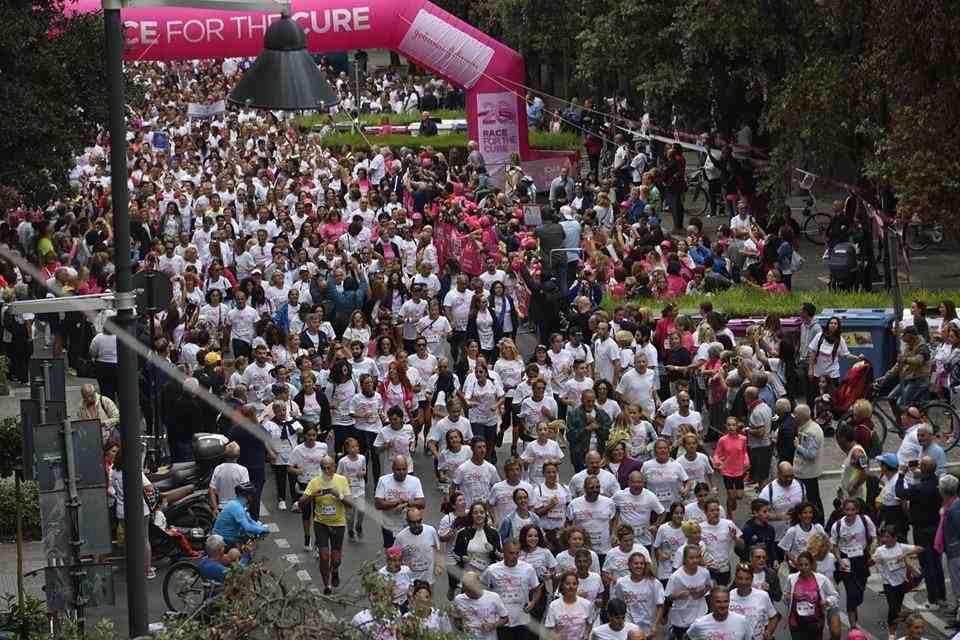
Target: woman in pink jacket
x=730, y=458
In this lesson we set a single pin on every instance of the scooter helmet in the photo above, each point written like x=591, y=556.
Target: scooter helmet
x=245, y=490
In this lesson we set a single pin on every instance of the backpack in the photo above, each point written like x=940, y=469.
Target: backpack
x=796, y=261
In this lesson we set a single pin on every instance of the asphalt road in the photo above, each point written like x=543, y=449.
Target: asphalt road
x=283, y=549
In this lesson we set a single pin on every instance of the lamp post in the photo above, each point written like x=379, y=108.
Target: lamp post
x=284, y=77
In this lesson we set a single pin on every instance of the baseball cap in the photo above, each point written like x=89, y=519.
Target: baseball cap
x=889, y=460
x=212, y=358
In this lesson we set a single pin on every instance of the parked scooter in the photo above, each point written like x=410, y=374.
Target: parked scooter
x=184, y=485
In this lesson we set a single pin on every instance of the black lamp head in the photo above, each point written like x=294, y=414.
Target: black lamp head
x=284, y=76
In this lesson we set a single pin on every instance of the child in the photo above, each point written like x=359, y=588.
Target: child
x=891, y=558
x=396, y=438
x=541, y=450
x=822, y=409
x=773, y=283
x=239, y=366
x=696, y=464
x=759, y=531
x=795, y=540
x=450, y=458
x=353, y=467
x=730, y=457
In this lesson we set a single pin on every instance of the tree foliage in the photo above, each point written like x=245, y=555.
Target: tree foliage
x=850, y=88
x=52, y=93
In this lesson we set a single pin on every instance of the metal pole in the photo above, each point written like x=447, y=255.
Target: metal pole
x=127, y=392
x=76, y=538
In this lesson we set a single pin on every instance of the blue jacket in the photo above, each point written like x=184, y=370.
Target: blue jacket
x=700, y=254
x=282, y=318
x=344, y=302
x=235, y=524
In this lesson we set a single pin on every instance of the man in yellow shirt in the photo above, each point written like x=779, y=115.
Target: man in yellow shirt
x=330, y=493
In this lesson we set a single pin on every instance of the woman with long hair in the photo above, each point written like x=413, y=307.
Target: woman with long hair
x=478, y=543
x=454, y=519
x=534, y=551
x=809, y=596
x=506, y=321
x=569, y=617
x=642, y=592
x=480, y=327
x=826, y=349
x=509, y=366
x=668, y=541
x=397, y=391
x=358, y=329
x=340, y=391
x=485, y=397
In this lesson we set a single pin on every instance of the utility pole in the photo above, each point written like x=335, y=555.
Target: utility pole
x=127, y=392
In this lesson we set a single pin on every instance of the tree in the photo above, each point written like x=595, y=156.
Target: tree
x=52, y=93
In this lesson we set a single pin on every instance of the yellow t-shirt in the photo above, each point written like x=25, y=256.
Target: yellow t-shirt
x=327, y=509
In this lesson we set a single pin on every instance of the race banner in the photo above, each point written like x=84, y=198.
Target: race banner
x=209, y=110
x=497, y=129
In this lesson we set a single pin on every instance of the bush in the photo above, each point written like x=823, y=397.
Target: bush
x=444, y=142
x=373, y=119
x=31, y=510
x=747, y=302
x=11, y=444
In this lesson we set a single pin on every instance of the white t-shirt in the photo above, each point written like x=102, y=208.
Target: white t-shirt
x=355, y=471
x=459, y=304
x=226, y=476
x=309, y=459
x=692, y=511
x=367, y=412
x=756, y=607
x=402, y=581
x=390, y=490
x=242, y=323
x=733, y=627
x=609, y=484
x=556, y=517
x=573, y=390
x=450, y=460
x=487, y=609
x=569, y=621
x=825, y=364
x=532, y=413
x=697, y=469
x=438, y=431
x=671, y=426
x=642, y=599
x=893, y=563
x=782, y=500
x=605, y=354
x=686, y=609
x=419, y=551
x=664, y=479
x=534, y=455
x=501, y=498
x=590, y=587
x=476, y=481
x=852, y=538
x=566, y=561
x=668, y=540
x=616, y=562
x=485, y=396
x=594, y=518
x=541, y=559
x=604, y=632
x=796, y=538
x=635, y=511
x=719, y=540
x=396, y=442
x=638, y=388
x=513, y=584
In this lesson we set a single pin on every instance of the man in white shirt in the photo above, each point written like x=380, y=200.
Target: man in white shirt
x=606, y=356
x=501, y=494
x=256, y=377
x=481, y=611
x=721, y=622
x=411, y=311
x=226, y=476
x=608, y=482
x=635, y=504
x=594, y=513
x=421, y=547
x=684, y=415
x=513, y=580
x=492, y=274
x=395, y=493
x=617, y=627
x=783, y=494
x=437, y=438
x=456, y=305
x=476, y=477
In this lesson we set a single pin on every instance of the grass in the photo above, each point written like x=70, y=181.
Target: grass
x=445, y=142
x=743, y=302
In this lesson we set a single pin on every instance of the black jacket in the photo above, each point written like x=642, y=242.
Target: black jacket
x=466, y=535
x=925, y=500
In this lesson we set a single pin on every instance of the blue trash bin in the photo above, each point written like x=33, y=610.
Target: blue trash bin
x=867, y=332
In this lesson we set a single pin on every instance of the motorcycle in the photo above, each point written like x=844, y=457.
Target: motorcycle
x=183, y=486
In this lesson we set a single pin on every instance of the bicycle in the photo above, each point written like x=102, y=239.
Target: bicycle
x=941, y=416
x=697, y=200
x=919, y=236
x=815, y=224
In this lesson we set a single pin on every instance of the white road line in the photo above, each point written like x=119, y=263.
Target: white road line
x=910, y=601
x=304, y=575
x=273, y=527
x=263, y=511
x=292, y=558
x=283, y=543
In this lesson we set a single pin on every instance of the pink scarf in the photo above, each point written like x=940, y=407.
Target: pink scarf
x=938, y=538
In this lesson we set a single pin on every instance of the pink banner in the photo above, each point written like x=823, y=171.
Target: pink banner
x=419, y=30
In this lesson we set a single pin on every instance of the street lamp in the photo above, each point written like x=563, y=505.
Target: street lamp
x=284, y=75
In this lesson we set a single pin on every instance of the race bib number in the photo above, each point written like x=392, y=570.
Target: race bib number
x=806, y=609
x=328, y=510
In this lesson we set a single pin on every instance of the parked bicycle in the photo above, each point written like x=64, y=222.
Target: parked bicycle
x=814, y=224
x=918, y=235
x=939, y=414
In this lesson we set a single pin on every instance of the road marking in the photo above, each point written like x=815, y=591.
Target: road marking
x=292, y=558
x=910, y=601
x=304, y=575
x=282, y=543
x=263, y=511
x=316, y=591
x=273, y=527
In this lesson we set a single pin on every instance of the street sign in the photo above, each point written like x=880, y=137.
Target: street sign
x=51, y=462
x=29, y=418
x=55, y=524
x=96, y=582
x=154, y=291
x=48, y=372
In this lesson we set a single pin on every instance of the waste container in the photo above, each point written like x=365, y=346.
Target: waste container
x=867, y=332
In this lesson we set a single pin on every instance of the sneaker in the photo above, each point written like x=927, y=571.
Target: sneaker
x=351, y=535
x=151, y=573
x=327, y=591
x=359, y=531
x=306, y=545
x=335, y=579
x=282, y=505
x=927, y=606
x=296, y=507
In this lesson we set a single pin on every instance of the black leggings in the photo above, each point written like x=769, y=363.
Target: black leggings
x=894, y=595
x=854, y=582
x=283, y=480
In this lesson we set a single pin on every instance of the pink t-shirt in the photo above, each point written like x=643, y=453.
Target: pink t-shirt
x=806, y=600
x=730, y=456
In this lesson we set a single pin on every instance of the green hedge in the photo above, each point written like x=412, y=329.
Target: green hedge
x=371, y=119
x=445, y=142
x=746, y=302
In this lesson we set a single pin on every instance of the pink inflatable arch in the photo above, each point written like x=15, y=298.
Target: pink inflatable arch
x=420, y=31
